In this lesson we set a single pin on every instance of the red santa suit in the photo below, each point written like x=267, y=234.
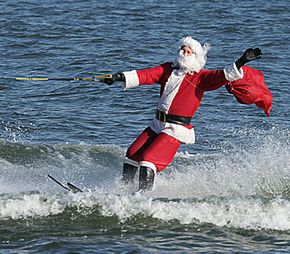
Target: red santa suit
x=180, y=95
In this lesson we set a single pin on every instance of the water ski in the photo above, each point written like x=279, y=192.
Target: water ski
x=71, y=187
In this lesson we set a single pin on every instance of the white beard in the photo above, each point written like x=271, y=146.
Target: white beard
x=190, y=64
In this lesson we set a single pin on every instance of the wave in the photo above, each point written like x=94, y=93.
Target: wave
x=236, y=187
x=246, y=212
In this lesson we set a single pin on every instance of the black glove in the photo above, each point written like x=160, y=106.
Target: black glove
x=249, y=55
x=115, y=77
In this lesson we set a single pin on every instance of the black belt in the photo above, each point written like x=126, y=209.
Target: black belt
x=183, y=120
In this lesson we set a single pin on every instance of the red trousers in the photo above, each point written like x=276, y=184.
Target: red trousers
x=150, y=147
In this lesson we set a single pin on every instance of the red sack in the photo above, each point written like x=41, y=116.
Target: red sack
x=252, y=89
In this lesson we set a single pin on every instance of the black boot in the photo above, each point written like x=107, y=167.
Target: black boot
x=146, y=178
x=129, y=172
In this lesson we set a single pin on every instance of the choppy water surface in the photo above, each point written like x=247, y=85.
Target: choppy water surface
x=227, y=193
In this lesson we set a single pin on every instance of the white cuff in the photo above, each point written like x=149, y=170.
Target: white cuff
x=131, y=78
x=148, y=165
x=232, y=73
x=131, y=162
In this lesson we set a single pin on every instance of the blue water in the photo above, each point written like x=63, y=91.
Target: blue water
x=227, y=193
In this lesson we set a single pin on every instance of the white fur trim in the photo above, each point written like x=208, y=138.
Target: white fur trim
x=148, y=164
x=171, y=89
x=232, y=73
x=131, y=78
x=131, y=162
x=192, y=43
x=177, y=131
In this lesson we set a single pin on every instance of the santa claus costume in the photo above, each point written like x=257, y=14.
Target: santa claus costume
x=182, y=86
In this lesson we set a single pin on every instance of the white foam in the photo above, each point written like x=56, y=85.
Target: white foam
x=234, y=212
x=237, y=212
x=29, y=206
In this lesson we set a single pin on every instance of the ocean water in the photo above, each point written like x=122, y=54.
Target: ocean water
x=227, y=193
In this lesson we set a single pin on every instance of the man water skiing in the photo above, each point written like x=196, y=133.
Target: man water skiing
x=183, y=84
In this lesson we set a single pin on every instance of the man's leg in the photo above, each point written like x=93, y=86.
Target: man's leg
x=129, y=172
x=146, y=178
x=156, y=158
x=134, y=153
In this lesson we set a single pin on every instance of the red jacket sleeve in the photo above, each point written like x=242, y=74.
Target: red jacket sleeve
x=210, y=80
x=154, y=75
